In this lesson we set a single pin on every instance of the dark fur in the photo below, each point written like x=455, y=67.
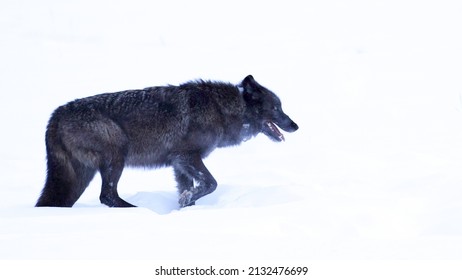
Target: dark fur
x=174, y=126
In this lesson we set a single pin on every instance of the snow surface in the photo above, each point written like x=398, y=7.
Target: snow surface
x=373, y=173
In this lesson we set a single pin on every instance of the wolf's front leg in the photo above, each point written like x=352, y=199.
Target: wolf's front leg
x=193, y=178
x=184, y=184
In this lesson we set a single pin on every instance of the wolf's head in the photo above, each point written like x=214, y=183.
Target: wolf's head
x=265, y=110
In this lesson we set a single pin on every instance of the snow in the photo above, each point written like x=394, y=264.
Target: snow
x=373, y=173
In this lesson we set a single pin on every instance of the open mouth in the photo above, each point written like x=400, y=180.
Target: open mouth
x=271, y=130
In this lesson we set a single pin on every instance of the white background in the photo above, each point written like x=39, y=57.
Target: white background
x=373, y=173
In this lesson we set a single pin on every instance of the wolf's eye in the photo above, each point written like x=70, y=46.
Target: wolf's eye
x=275, y=108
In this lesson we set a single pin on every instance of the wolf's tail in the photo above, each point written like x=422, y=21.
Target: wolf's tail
x=67, y=177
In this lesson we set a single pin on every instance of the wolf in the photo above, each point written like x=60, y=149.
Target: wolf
x=175, y=126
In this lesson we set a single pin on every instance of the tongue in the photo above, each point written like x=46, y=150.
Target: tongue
x=275, y=130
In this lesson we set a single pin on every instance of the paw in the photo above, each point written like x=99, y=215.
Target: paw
x=115, y=202
x=185, y=199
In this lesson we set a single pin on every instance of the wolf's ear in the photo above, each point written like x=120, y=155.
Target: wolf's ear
x=248, y=79
x=249, y=84
x=251, y=89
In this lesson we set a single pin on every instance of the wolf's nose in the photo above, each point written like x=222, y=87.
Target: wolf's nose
x=294, y=126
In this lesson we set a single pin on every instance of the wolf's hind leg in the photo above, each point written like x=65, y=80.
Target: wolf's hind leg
x=190, y=169
x=111, y=170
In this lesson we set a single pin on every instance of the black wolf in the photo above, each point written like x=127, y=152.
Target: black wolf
x=174, y=126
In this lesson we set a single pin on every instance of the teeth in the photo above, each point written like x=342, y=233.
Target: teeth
x=273, y=128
